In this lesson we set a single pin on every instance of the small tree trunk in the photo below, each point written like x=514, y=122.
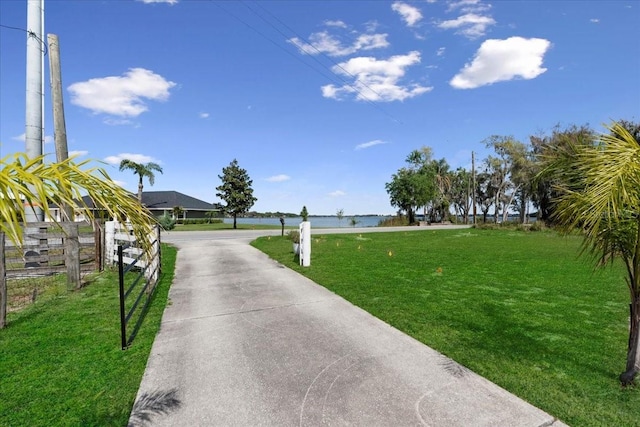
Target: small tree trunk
x=633, y=351
x=234, y=221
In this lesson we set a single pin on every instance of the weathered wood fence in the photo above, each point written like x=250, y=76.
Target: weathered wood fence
x=48, y=248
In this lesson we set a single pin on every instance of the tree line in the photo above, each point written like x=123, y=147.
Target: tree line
x=507, y=181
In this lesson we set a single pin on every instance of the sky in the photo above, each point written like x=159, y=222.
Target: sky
x=319, y=101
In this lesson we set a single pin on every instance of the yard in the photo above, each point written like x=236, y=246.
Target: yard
x=519, y=308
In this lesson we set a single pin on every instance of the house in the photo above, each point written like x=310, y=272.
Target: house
x=158, y=202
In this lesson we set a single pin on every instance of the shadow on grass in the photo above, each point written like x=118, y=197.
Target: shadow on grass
x=152, y=404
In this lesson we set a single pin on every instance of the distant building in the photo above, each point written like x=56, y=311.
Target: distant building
x=158, y=202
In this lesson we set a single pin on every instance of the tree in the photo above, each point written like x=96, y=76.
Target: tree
x=177, y=212
x=485, y=194
x=340, y=215
x=460, y=193
x=503, y=169
x=599, y=194
x=38, y=183
x=544, y=185
x=404, y=191
x=210, y=215
x=143, y=171
x=235, y=190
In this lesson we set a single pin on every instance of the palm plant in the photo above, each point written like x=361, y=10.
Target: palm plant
x=599, y=194
x=143, y=171
x=28, y=182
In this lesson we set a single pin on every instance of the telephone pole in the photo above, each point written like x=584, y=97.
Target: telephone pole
x=60, y=129
x=473, y=175
x=34, y=124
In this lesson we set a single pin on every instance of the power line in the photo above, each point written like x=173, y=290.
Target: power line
x=333, y=77
x=31, y=34
x=337, y=64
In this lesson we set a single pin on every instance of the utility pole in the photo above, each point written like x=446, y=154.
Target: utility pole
x=34, y=124
x=60, y=129
x=473, y=175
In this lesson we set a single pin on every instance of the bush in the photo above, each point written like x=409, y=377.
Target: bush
x=395, y=221
x=294, y=235
x=166, y=222
x=200, y=221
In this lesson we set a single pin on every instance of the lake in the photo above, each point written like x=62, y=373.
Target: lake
x=316, y=221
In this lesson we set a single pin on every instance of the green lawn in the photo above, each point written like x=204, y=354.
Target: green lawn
x=61, y=362
x=519, y=308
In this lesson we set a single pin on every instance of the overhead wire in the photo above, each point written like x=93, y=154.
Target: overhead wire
x=337, y=64
x=334, y=78
x=30, y=34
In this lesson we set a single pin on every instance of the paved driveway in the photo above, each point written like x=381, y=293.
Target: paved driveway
x=247, y=342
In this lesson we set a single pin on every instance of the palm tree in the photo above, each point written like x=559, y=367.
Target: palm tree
x=142, y=170
x=599, y=194
x=37, y=184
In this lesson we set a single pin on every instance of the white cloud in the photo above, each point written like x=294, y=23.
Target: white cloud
x=78, y=153
x=279, y=178
x=138, y=158
x=470, y=25
x=122, y=96
x=336, y=23
x=440, y=51
x=323, y=42
x=47, y=138
x=370, y=144
x=376, y=80
x=468, y=6
x=594, y=20
x=337, y=193
x=411, y=15
x=159, y=1
x=501, y=60
x=203, y=115
x=117, y=122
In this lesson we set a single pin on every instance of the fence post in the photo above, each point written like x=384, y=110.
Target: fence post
x=123, y=325
x=72, y=253
x=3, y=285
x=98, y=242
x=109, y=241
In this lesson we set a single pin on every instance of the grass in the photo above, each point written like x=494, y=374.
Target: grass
x=61, y=362
x=518, y=308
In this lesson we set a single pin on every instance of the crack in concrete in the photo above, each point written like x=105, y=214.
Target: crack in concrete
x=253, y=310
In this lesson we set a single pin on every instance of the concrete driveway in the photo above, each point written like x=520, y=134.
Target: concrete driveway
x=247, y=342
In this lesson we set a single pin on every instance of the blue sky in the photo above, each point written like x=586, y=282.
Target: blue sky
x=320, y=101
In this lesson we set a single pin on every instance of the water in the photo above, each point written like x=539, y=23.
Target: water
x=316, y=221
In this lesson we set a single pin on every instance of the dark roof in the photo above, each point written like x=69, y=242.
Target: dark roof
x=161, y=200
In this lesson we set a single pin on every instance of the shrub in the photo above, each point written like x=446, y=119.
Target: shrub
x=166, y=222
x=395, y=221
x=294, y=235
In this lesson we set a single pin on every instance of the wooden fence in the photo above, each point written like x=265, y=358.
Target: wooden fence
x=119, y=234
x=48, y=248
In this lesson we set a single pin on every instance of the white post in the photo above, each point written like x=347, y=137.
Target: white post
x=109, y=242
x=305, y=243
